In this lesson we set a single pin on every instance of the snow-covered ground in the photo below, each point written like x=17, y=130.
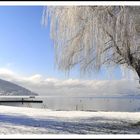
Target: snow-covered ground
x=21, y=120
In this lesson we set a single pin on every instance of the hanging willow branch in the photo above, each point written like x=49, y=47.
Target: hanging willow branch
x=92, y=36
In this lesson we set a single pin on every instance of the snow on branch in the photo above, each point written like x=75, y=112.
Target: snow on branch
x=92, y=36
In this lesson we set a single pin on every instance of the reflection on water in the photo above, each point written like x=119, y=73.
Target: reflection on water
x=83, y=103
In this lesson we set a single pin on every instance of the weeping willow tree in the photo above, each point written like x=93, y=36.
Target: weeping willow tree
x=95, y=36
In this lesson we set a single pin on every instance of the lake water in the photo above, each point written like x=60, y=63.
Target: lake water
x=84, y=103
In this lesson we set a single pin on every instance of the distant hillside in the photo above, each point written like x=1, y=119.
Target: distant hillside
x=9, y=88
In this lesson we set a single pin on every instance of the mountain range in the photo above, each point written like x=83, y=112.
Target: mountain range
x=11, y=89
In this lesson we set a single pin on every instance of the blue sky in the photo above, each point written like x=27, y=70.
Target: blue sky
x=26, y=47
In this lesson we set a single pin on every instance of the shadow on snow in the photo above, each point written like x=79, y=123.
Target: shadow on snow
x=95, y=125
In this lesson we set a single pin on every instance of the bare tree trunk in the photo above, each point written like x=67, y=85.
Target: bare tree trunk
x=138, y=72
x=137, y=69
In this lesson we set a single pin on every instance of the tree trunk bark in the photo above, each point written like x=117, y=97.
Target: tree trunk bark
x=138, y=73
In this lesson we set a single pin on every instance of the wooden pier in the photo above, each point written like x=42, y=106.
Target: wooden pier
x=20, y=100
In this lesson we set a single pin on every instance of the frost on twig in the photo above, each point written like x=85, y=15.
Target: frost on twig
x=95, y=36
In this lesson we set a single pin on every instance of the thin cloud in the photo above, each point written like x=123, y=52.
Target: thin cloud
x=72, y=87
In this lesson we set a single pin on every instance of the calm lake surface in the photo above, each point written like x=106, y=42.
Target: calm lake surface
x=129, y=104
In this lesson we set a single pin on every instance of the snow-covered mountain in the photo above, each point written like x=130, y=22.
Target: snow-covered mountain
x=9, y=88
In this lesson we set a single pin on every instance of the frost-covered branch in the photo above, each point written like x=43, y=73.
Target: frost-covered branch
x=92, y=36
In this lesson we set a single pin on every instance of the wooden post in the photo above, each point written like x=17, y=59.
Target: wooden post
x=22, y=100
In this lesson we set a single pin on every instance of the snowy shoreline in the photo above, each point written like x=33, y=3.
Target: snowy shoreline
x=22, y=120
